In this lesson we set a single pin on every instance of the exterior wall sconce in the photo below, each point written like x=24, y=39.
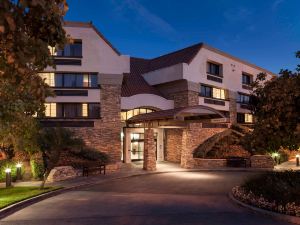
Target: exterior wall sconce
x=19, y=171
x=8, y=177
x=297, y=160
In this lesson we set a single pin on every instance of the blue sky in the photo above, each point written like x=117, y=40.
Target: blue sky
x=264, y=32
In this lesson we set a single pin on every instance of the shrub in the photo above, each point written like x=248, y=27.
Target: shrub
x=281, y=187
x=37, y=169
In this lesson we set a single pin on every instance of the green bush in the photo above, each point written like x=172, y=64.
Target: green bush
x=37, y=169
x=281, y=187
x=8, y=164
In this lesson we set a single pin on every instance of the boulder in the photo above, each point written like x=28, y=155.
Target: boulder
x=61, y=173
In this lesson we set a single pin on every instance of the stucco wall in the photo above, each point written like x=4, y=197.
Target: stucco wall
x=93, y=96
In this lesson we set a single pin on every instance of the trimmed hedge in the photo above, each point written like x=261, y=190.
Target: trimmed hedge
x=37, y=169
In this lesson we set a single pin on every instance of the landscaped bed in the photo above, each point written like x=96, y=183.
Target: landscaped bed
x=274, y=191
x=9, y=196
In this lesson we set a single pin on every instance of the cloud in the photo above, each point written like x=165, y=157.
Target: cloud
x=276, y=4
x=135, y=12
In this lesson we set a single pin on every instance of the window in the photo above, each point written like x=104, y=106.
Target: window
x=70, y=80
x=71, y=50
x=52, y=50
x=218, y=93
x=248, y=118
x=244, y=118
x=214, y=69
x=212, y=92
x=72, y=110
x=242, y=98
x=246, y=79
x=130, y=113
x=206, y=91
x=50, y=109
x=94, y=110
x=49, y=78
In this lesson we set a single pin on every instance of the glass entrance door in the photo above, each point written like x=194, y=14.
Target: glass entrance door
x=137, y=146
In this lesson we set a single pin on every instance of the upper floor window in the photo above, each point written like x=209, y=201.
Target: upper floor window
x=243, y=98
x=70, y=80
x=214, y=69
x=212, y=92
x=244, y=118
x=71, y=50
x=246, y=79
x=72, y=110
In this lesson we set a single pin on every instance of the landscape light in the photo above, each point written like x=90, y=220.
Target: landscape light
x=8, y=177
x=297, y=160
x=19, y=165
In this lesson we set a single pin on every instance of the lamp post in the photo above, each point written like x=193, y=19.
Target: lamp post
x=19, y=170
x=8, y=177
x=297, y=160
x=276, y=157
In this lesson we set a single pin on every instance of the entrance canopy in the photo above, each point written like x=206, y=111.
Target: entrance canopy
x=180, y=116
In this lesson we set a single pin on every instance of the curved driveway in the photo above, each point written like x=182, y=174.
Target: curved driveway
x=168, y=198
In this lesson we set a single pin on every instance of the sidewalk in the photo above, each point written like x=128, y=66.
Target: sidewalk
x=289, y=165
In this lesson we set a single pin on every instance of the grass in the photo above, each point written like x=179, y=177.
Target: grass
x=9, y=196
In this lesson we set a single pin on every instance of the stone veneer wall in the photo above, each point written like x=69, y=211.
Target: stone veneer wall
x=192, y=137
x=173, y=144
x=232, y=107
x=105, y=135
x=185, y=98
x=262, y=161
x=149, y=150
x=209, y=163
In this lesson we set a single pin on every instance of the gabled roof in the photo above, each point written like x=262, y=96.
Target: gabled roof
x=90, y=24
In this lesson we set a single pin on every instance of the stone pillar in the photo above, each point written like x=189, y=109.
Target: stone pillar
x=189, y=143
x=185, y=98
x=149, y=150
x=232, y=107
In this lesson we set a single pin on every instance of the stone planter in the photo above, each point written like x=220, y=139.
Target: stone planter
x=262, y=161
x=209, y=163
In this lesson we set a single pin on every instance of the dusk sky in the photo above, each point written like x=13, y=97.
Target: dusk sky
x=263, y=32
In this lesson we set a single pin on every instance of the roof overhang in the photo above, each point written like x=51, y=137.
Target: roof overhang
x=179, y=117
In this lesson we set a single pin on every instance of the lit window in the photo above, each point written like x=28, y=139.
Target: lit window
x=218, y=93
x=123, y=116
x=49, y=78
x=86, y=82
x=52, y=50
x=84, y=110
x=129, y=114
x=248, y=118
x=50, y=109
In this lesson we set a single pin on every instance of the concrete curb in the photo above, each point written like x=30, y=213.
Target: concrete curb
x=275, y=215
x=22, y=204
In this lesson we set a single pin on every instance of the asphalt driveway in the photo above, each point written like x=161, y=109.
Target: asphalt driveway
x=168, y=198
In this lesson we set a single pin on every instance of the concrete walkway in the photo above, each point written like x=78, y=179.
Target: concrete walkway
x=289, y=165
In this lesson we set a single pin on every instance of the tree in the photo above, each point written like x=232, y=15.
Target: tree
x=52, y=142
x=276, y=107
x=27, y=28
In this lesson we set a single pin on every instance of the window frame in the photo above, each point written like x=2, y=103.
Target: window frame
x=63, y=55
x=210, y=71
x=250, y=79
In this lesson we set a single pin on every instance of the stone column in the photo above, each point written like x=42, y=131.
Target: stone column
x=232, y=106
x=149, y=150
x=190, y=141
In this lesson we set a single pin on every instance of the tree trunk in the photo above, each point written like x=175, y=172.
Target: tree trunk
x=46, y=174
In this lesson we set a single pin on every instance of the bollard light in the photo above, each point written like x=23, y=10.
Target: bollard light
x=297, y=160
x=276, y=157
x=19, y=171
x=8, y=177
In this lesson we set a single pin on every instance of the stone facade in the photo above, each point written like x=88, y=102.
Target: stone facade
x=262, y=161
x=209, y=163
x=185, y=98
x=149, y=150
x=232, y=107
x=192, y=137
x=105, y=135
x=173, y=140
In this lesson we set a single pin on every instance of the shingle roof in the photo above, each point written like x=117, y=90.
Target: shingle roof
x=134, y=83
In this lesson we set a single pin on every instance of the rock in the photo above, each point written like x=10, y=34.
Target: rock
x=61, y=173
